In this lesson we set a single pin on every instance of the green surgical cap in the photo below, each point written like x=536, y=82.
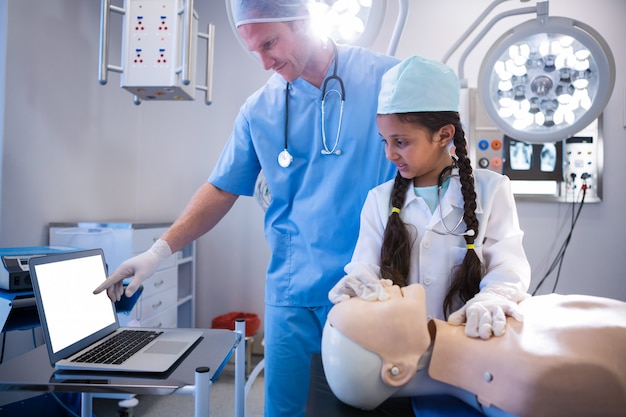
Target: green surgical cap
x=264, y=11
x=419, y=85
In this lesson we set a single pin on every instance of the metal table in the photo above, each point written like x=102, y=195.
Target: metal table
x=192, y=375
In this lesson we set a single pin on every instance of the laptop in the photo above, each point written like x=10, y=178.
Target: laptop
x=74, y=320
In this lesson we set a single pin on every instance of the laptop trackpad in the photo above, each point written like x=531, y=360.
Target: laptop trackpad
x=166, y=347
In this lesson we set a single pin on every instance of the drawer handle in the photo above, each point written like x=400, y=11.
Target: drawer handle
x=159, y=283
x=157, y=305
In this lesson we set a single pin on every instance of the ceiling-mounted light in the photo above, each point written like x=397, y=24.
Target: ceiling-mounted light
x=355, y=22
x=544, y=80
x=547, y=79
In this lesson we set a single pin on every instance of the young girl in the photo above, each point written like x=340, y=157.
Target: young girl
x=439, y=223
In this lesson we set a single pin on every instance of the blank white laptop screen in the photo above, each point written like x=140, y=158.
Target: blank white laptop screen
x=73, y=312
x=73, y=318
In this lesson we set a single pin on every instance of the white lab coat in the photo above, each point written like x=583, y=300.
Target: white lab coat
x=433, y=256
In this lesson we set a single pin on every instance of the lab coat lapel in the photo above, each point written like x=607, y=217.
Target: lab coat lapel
x=452, y=199
x=452, y=204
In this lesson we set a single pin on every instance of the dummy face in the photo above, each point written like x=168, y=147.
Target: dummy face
x=372, y=348
x=282, y=47
x=417, y=153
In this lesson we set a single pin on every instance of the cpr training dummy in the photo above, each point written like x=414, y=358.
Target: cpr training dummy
x=435, y=299
x=566, y=358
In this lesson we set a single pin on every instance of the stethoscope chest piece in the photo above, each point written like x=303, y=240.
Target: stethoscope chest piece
x=284, y=158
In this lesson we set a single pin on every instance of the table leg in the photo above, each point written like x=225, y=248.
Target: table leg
x=86, y=405
x=202, y=392
x=240, y=369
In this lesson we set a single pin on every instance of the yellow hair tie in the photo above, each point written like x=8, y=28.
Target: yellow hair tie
x=469, y=246
x=395, y=210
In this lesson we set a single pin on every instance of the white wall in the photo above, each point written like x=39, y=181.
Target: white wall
x=78, y=151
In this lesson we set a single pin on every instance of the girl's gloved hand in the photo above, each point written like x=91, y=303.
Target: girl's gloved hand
x=485, y=314
x=365, y=287
x=139, y=267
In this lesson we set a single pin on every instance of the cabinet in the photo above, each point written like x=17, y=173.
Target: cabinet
x=186, y=266
x=168, y=298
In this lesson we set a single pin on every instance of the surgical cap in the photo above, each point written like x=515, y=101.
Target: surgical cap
x=419, y=85
x=264, y=11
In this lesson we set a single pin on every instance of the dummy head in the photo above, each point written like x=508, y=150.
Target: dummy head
x=372, y=348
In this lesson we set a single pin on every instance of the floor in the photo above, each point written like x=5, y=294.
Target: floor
x=221, y=402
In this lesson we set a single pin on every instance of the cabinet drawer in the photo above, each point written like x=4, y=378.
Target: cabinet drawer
x=164, y=320
x=144, y=238
x=157, y=303
x=160, y=281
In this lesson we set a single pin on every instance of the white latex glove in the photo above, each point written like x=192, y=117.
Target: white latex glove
x=362, y=286
x=485, y=314
x=139, y=267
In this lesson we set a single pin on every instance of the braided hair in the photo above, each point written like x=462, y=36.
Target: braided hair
x=396, y=247
x=395, y=253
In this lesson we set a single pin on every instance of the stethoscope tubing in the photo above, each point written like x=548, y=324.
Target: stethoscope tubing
x=449, y=231
x=284, y=157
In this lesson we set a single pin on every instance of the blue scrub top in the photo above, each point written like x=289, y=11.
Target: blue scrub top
x=312, y=222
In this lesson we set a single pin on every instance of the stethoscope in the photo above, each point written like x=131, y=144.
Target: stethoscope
x=284, y=157
x=440, y=180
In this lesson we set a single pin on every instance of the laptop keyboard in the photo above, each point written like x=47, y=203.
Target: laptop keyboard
x=119, y=348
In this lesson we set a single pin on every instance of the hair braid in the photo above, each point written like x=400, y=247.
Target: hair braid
x=395, y=253
x=466, y=278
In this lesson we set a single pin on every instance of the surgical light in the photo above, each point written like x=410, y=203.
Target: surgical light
x=346, y=21
x=546, y=79
x=355, y=22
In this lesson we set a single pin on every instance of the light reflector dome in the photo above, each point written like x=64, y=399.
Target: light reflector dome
x=544, y=81
x=355, y=22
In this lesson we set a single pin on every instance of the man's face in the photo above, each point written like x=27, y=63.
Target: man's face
x=280, y=46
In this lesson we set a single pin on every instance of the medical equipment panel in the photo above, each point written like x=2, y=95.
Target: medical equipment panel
x=14, y=274
x=152, y=52
x=551, y=171
x=158, y=58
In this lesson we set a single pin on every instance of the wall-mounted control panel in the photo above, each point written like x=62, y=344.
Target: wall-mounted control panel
x=152, y=55
x=552, y=172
